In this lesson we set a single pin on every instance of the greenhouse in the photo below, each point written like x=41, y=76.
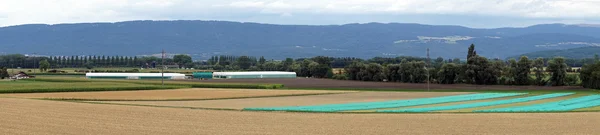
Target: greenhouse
x=202, y=75
x=249, y=75
x=134, y=76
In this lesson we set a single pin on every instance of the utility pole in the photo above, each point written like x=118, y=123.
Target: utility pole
x=427, y=67
x=34, y=68
x=162, y=70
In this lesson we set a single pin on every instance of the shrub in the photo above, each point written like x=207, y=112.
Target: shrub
x=340, y=77
x=572, y=80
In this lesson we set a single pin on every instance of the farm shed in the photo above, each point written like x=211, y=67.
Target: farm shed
x=134, y=76
x=258, y=74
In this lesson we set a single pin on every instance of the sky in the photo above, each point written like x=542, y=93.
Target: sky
x=470, y=13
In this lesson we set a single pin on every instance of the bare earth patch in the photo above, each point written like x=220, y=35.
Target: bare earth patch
x=295, y=101
x=194, y=93
x=26, y=116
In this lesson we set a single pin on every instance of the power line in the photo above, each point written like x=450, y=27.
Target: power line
x=33, y=56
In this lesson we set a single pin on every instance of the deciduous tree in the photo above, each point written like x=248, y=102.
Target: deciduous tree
x=558, y=69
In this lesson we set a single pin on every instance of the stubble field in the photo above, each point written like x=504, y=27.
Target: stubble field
x=26, y=116
x=217, y=111
x=239, y=104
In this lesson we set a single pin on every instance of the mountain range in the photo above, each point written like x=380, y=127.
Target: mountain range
x=575, y=53
x=202, y=39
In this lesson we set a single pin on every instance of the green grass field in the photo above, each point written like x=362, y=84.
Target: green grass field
x=78, y=84
x=31, y=86
x=72, y=71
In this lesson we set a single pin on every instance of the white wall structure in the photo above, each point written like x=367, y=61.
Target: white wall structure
x=255, y=74
x=134, y=75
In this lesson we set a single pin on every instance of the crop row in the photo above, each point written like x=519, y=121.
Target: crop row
x=558, y=106
x=388, y=104
x=480, y=104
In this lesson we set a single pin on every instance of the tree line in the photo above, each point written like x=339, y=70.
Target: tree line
x=22, y=61
x=476, y=70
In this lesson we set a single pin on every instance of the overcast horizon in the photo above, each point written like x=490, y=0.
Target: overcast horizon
x=468, y=13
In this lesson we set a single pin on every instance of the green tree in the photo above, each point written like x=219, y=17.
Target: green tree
x=522, y=71
x=305, y=68
x=89, y=65
x=590, y=76
x=456, y=60
x=510, y=75
x=374, y=72
x=596, y=58
x=417, y=71
x=353, y=69
x=393, y=72
x=287, y=64
x=44, y=65
x=182, y=60
x=262, y=60
x=471, y=52
x=3, y=73
x=322, y=60
x=448, y=73
x=538, y=69
x=272, y=66
x=439, y=61
x=477, y=71
x=494, y=71
x=330, y=73
x=405, y=71
x=244, y=62
x=318, y=70
x=558, y=69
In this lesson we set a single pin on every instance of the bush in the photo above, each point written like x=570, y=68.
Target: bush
x=340, y=77
x=572, y=80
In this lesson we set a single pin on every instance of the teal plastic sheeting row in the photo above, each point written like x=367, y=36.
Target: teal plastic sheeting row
x=387, y=104
x=559, y=106
x=480, y=104
x=362, y=103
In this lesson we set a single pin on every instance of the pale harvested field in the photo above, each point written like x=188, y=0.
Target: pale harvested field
x=194, y=93
x=26, y=116
x=295, y=101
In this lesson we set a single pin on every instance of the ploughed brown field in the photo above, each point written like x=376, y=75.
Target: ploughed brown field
x=341, y=84
x=176, y=94
x=292, y=101
x=27, y=116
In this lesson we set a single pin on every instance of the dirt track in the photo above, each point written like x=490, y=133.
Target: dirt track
x=295, y=100
x=328, y=83
x=194, y=93
x=25, y=116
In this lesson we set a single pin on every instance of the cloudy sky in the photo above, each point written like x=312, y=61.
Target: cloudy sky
x=471, y=13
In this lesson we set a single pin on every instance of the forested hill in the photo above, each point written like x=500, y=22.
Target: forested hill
x=575, y=53
x=203, y=39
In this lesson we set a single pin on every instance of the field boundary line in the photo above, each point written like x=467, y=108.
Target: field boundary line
x=241, y=110
x=443, y=90
x=269, y=96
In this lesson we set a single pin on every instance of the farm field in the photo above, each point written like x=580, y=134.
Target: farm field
x=312, y=83
x=55, y=117
x=239, y=104
x=77, y=106
x=460, y=103
x=42, y=86
x=177, y=94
